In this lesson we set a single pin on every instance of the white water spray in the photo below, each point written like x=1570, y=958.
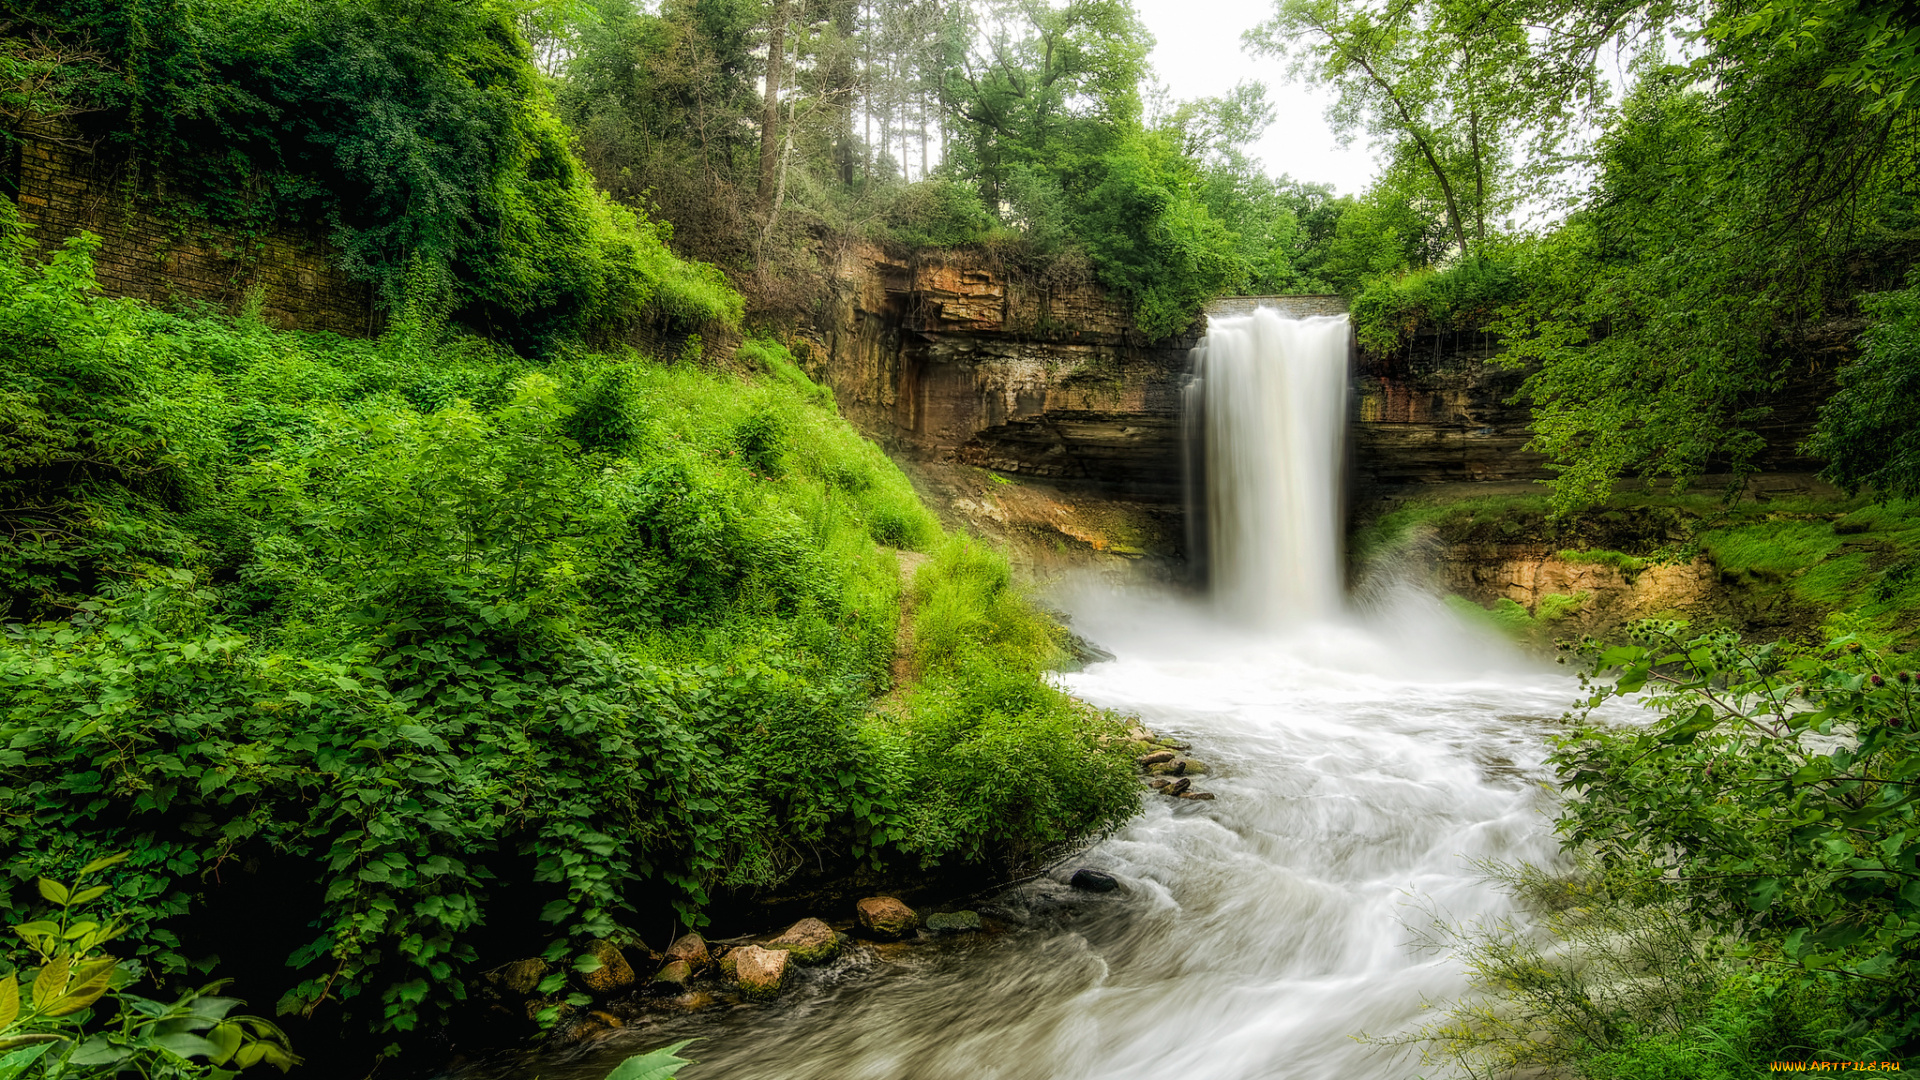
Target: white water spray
x=1267, y=415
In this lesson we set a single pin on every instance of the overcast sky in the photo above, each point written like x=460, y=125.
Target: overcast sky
x=1197, y=53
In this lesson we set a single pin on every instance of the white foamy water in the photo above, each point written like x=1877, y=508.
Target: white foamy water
x=1268, y=403
x=1363, y=764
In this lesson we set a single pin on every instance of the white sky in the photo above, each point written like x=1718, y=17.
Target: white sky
x=1197, y=53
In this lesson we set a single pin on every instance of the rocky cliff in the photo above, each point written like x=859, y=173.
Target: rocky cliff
x=1030, y=406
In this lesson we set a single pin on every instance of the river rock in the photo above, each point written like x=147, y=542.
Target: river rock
x=1178, y=786
x=885, y=917
x=1091, y=880
x=1158, y=782
x=613, y=974
x=521, y=976
x=953, y=922
x=692, y=948
x=809, y=941
x=1201, y=796
x=1179, y=766
x=1156, y=757
x=673, y=978
x=760, y=972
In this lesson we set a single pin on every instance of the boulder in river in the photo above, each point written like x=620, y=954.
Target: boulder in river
x=1157, y=757
x=692, y=948
x=885, y=917
x=1202, y=796
x=1091, y=880
x=760, y=972
x=808, y=941
x=952, y=922
x=1178, y=786
x=673, y=978
x=613, y=974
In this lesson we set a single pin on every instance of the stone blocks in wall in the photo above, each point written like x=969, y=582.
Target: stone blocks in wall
x=175, y=260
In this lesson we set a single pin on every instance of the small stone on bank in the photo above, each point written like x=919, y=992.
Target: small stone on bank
x=1091, y=880
x=674, y=977
x=521, y=976
x=692, y=948
x=760, y=972
x=885, y=917
x=810, y=941
x=614, y=973
x=1156, y=757
x=950, y=922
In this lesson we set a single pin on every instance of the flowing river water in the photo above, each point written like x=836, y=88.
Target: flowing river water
x=1364, y=762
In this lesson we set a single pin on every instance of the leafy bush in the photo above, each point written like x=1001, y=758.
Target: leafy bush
x=936, y=213
x=1777, y=788
x=1614, y=979
x=415, y=634
x=1462, y=297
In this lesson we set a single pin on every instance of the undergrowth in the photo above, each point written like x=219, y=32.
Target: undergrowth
x=419, y=655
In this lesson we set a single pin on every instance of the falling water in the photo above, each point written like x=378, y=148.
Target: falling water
x=1364, y=763
x=1267, y=413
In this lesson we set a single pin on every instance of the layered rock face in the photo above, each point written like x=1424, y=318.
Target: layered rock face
x=1438, y=412
x=958, y=365
x=953, y=358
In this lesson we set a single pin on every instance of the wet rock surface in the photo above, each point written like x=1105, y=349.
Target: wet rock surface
x=885, y=917
x=809, y=941
x=1087, y=879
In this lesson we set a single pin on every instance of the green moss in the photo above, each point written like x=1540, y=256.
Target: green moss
x=1626, y=564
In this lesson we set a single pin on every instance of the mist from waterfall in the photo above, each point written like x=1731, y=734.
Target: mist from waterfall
x=1266, y=417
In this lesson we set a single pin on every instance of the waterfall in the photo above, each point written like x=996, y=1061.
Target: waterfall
x=1266, y=417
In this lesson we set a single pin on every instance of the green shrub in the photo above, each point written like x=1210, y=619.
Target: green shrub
x=1462, y=297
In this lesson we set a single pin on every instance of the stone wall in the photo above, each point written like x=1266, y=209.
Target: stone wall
x=149, y=253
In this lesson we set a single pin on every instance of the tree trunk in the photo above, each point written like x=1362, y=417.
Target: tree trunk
x=770, y=112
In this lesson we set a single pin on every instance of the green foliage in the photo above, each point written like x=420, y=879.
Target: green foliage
x=1510, y=617
x=1870, y=429
x=1614, y=979
x=1621, y=561
x=416, y=130
x=418, y=621
x=937, y=213
x=1464, y=296
x=1778, y=784
x=53, y=1014
x=1004, y=764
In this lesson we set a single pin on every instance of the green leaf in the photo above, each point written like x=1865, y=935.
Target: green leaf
x=186, y=1044
x=103, y=862
x=661, y=1064
x=16, y=1063
x=53, y=891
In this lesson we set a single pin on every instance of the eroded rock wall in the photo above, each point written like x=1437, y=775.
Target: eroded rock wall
x=954, y=359
x=958, y=365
